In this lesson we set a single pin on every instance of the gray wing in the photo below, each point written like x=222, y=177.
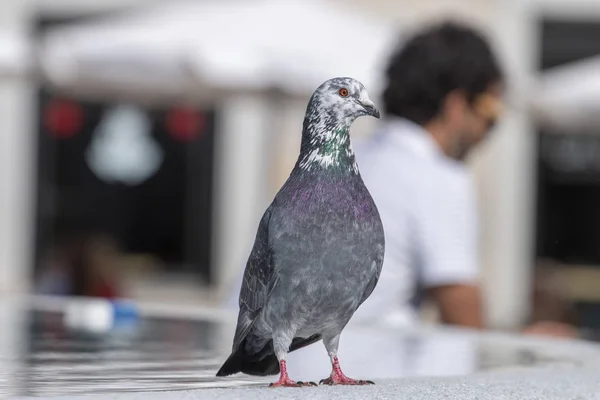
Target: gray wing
x=259, y=280
x=375, y=278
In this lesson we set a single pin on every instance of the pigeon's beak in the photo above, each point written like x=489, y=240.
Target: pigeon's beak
x=370, y=108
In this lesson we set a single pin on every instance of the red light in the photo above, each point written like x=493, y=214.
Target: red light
x=63, y=118
x=184, y=123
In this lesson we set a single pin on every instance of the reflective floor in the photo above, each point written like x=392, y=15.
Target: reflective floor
x=46, y=358
x=40, y=356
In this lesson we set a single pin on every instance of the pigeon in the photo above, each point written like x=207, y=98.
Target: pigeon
x=318, y=250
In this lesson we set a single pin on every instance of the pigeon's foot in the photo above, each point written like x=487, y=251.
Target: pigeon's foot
x=285, y=381
x=338, y=378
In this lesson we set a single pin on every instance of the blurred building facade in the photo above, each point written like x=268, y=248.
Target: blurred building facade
x=250, y=163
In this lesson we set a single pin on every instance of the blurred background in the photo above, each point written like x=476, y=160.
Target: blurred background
x=141, y=140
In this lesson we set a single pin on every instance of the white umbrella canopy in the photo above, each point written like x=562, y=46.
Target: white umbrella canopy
x=192, y=45
x=568, y=97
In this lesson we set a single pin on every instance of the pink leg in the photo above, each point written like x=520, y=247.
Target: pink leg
x=285, y=381
x=338, y=378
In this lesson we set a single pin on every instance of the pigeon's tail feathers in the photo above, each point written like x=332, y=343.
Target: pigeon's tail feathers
x=262, y=363
x=231, y=365
x=299, y=343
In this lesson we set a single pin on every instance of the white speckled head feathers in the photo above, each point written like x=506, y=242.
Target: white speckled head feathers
x=332, y=108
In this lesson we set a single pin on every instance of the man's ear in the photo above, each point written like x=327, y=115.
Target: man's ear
x=455, y=105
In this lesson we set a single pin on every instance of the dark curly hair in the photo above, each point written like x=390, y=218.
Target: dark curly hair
x=433, y=63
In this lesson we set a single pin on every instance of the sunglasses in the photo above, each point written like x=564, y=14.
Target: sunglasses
x=488, y=107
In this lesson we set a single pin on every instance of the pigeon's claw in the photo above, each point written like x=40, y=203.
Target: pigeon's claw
x=344, y=380
x=290, y=383
x=285, y=381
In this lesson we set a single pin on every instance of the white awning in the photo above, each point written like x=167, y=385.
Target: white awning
x=189, y=45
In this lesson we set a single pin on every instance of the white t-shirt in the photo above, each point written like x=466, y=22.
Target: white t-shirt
x=428, y=209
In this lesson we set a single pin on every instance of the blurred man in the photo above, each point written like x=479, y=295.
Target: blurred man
x=443, y=96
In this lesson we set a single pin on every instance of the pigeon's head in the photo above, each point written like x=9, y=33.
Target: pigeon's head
x=326, y=131
x=342, y=100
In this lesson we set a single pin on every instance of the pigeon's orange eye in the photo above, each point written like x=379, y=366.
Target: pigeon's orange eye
x=344, y=92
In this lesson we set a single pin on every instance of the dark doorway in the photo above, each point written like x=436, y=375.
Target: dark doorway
x=165, y=213
x=568, y=185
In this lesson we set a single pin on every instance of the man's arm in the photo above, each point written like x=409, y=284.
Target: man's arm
x=459, y=304
x=447, y=246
